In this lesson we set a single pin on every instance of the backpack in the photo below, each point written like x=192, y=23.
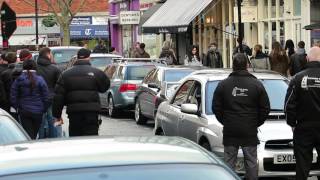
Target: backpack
x=260, y=63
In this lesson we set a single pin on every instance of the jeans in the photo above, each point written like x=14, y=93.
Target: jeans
x=47, y=129
x=250, y=158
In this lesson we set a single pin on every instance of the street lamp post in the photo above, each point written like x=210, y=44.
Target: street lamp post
x=37, y=28
x=240, y=37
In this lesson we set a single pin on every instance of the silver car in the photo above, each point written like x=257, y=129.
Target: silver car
x=189, y=114
x=118, y=158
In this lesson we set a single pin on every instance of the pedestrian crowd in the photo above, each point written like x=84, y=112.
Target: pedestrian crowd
x=35, y=92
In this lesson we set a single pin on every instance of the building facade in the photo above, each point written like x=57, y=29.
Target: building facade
x=124, y=21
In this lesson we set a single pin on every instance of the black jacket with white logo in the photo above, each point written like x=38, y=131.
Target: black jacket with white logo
x=78, y=88
x=302, y=104
x=241, y=104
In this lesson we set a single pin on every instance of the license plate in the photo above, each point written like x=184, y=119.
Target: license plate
x=289, y=159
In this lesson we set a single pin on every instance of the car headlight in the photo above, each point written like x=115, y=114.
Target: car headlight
x=240, y=165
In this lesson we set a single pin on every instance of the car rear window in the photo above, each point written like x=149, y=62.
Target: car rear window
x=176, y=75
x=61, y=56
x=138, y=72
x=100, y=62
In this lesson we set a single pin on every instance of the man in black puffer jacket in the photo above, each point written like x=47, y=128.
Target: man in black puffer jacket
x=50, y=74
x=78, y=88
x=302, y=109
x=241, y=105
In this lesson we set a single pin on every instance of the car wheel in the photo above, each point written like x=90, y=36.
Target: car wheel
x=206, y=145
x=111, y=108
x=140, y=119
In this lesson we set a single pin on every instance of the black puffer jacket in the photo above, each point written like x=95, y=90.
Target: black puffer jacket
x=298, y=61
x=3, y=97
x=241, y=104
x=303, y=98
x=3, y=67
x=49, y=72
x=78, y=88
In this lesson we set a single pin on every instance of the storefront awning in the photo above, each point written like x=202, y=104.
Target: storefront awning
x=147, y=14
x=174, y=16
x=312, y=26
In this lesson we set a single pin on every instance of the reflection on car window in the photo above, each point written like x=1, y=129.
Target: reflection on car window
x=176, y=75
x=62, y=56
x=195, y=95
x=100, y=62
x=9, y=131
x=181, y=95
x=149, y=78
x=138, y=72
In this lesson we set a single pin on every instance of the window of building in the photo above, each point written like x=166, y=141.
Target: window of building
x=297, y=8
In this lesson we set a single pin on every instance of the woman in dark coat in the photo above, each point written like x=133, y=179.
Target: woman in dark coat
x=29, y=96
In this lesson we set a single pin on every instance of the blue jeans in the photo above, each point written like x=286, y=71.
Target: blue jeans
x=47, y=129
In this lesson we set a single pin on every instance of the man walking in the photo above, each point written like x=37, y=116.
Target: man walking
x=298, y=60
x=141, y=53
x=241, y=105
x=213, y=59
x=50, y=74
x=78, y=88
x=302, y=109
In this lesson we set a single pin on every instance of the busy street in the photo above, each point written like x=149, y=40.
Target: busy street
x=160, y=89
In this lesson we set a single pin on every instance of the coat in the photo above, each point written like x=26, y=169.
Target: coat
x=241, y=105
x=49, y=72
x=140, y=53
x=280, y=63
x=213, y=59
x=78, y=88
x=302, y=106
x=26, y=100
x=298, y=61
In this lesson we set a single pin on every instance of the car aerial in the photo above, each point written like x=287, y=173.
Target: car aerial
x=10, y=130
x=97, y=60
x=188, y=113
x=126, y=75
x=117, y=158
x=153, y=90
x=63, y=54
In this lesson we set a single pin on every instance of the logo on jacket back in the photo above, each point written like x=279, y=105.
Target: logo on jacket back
x=310, y=82
x=239, y=92
x=91, y=74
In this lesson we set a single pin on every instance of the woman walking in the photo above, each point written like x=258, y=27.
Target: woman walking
x=289, y=47
x=193, y=59
x=29, y=96
x=279, y=60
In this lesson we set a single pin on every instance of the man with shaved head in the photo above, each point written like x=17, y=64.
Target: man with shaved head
x=302, y=109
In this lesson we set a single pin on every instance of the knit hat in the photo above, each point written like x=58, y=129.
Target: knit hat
x=25, y=55
x=83, y=53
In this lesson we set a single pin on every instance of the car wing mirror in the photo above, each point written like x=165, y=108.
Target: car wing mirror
x=190, y=109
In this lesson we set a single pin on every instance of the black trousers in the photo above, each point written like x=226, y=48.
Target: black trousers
x=83, y=124
x=305, y=140
x=31, y=123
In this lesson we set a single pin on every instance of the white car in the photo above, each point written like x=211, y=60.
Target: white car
x=189, y=114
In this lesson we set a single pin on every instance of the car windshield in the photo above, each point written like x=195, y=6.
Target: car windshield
x=141, y=172
x=61, y=56
x=176, y=75
x=276, y=98
x=138, y=72
x=100, y=62
x=10, y=132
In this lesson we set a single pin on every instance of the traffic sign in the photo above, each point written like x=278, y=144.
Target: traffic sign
x=8, y=23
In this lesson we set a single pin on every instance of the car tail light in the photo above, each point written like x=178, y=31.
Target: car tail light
x=127, y=87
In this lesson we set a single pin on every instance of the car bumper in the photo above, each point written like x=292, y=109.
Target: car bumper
x=267, y=168
x=125, y=101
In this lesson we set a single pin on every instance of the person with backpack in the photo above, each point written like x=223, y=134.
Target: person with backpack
x=50, y=74
x=298, y=60
x=29, y=96
x=167, y=53
x=260, y=60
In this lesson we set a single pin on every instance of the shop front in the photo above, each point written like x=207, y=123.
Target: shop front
x=124, y=20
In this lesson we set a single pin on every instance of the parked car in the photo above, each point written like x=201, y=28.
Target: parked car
x=189, y=114
x=98, y=60
x=142, y=158
x=153, y=90
x=62, y=55
x=10, y=130
x=126, y=76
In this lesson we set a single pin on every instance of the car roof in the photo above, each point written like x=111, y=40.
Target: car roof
x=104, y=55
x=46, y=155
x=64, y=47
x=220, y=74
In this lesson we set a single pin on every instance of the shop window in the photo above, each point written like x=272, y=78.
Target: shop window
x=274, y=31
x=265, y=9
x=281, y=8
x=266, y=36
x=273, y=9
x=282, y=33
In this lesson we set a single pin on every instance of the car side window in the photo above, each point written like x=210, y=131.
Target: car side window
x=110, y=70
x=182, y=94
x=149, y=77
x=157, y=78
x=120, y=72
x=194, y=96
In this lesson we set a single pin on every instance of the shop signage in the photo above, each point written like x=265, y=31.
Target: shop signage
x=248, y=14
x=99, y=20
x=90, y=31
x=24, y=22
x=145, y=4
x=129, y=17
x=81, y=20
